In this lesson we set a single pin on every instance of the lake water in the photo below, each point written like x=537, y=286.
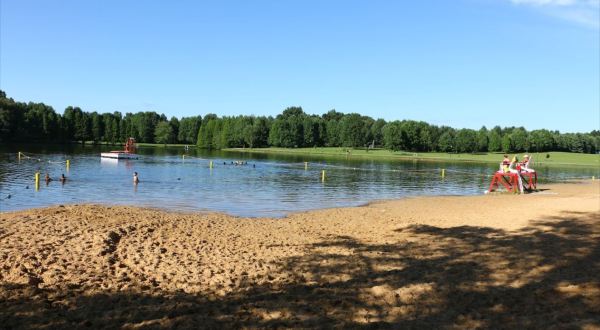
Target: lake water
x=269, y=185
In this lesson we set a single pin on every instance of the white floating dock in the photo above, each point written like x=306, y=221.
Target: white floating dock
x=118, y=155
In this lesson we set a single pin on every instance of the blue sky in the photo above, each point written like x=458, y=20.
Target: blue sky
x=462, y=63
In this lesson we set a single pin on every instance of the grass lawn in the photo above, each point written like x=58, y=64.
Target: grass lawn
x=556, y=158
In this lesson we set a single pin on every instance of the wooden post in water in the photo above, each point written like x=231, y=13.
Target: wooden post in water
x=19, y=155
x=323, y=176
x=68, y=164
x=305, y=166
x=37, y=181
x=443, y=173
x=210, y=165
x=183, y=157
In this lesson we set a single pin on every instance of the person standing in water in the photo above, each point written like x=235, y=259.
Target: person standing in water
x=136, y=178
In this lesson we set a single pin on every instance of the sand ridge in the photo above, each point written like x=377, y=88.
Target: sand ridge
x=461, y=262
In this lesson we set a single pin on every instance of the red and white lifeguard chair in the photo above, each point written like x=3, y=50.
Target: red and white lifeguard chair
x=517, y=180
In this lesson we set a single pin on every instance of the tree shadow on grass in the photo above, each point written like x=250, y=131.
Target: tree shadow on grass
x=542, y=276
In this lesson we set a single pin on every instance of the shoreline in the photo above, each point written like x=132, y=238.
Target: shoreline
x=374, y=156
x=358, y=153
x=428, y=261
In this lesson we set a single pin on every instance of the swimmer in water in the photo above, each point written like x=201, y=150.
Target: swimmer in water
x=136, y=178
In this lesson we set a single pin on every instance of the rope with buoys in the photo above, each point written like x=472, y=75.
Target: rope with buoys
x=66, y=162
x=424, y=171
x=38, y=157
x=184, y=157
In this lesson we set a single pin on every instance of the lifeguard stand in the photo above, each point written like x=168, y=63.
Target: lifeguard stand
x=510, y=179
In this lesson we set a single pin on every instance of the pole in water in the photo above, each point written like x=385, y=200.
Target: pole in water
x=443, y=173
x=19, y=155
x=183, y=157
x=68, y=164
x=305, y=166
x=210, y=165
x=37, y=181
x=323, y=176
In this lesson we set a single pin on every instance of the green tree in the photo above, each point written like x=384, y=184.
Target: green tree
x=207, y=131
x=226, y=131
x=174, y=122
x=163, y=133
x=413, y=137
x=10, y=118
x=507, y=143
x=377, y=131
x=353, y=130
x=446, y=141
x=275, y=133
x=332, y=136
x=482, y=139
x=495, y=141
x=24, y=122
x=260, y=130
x=541, y=140
x=466, y=140
x=81, y=124
x=188, y=129
x=518, y=139
x=97, y=128
x=287, y=129
x=116, y=127
x=425, y=139
x=391, y=136
x=310, y=128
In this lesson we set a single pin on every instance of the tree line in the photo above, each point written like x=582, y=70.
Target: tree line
x=293, y=128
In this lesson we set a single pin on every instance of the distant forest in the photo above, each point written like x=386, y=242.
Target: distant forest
x=37, y=122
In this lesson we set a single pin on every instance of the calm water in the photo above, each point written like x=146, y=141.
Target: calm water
x=268, y=186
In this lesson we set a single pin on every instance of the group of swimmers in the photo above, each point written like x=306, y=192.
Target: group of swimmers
x=237, y=163
x=62, y=178
x=136, y=177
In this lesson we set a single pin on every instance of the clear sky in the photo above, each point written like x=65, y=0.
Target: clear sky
x=462, y=63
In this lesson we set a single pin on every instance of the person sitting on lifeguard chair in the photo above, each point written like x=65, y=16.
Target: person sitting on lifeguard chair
x=505, y=165
x=515, y=168
x=525, y=164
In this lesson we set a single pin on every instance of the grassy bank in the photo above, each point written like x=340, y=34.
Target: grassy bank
x=555, y=158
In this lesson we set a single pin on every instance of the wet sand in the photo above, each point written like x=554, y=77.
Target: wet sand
x=499, y=261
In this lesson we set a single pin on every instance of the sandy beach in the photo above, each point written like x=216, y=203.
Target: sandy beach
x=493, y=261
